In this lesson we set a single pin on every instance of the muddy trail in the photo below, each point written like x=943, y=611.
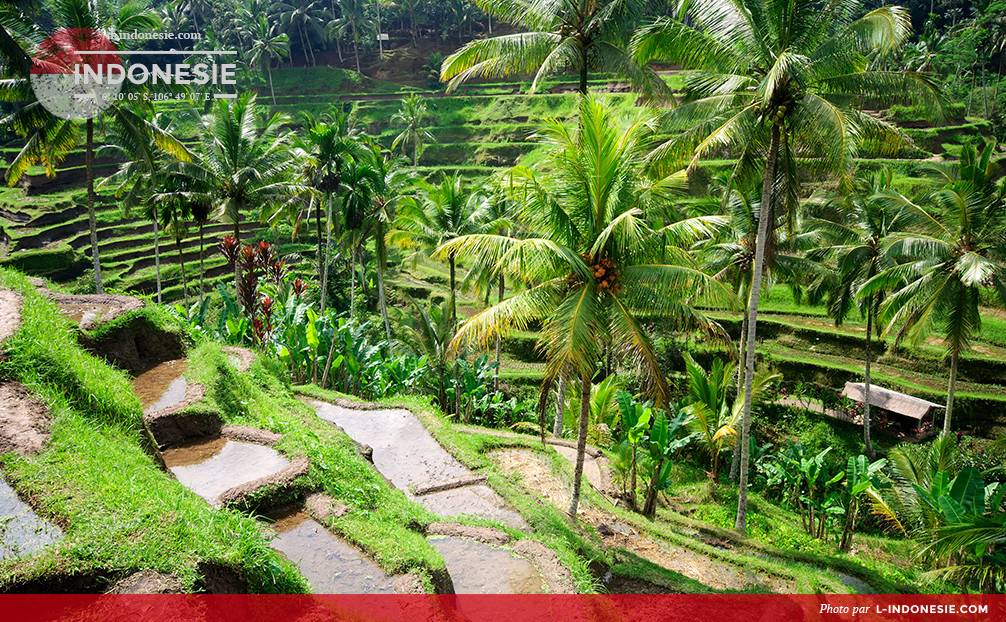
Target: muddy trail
x=532, y=471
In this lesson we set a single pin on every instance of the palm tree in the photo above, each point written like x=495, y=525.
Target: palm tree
x=140, y=179
x=173, y=211
x=361, y=183
x=355, y=20
x=588, y=260
x=711, y=416
x=412, y=115
x=304, y=16
x=327, y=145
x=267, y=46
x=243, y=160
x=410, y=6
x=432, y=331
x=730, y=254
x=438, y=215
x=555, y=37
x=392, y=180
x=957, y=251
x=859, y=249
x=52, y=137
x=775, y=82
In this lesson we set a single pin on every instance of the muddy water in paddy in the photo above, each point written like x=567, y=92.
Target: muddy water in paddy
x=407, y=454
x=22, y=532
x=478, y=568
x=328, y=563
x=162, y=386
x=86, y=314
x=211, y=467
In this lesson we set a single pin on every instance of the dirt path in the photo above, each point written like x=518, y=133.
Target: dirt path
x=532, y=472
x=596, y=470
x=10, y=313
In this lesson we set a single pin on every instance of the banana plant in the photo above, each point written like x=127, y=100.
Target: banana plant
x=634, y=423
x=970, y=546
x=860, y=476
x=470, y=383
x=807, y=483
x=665, y=439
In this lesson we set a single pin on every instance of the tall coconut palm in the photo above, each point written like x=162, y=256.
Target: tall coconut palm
x=412, y=115
x=242, y=161
x=730, y=254
x=774, y=82
x=173, y=211
x=51, y=137
x=393, y=178
x=355, y=20
x=141, y=178
x=361, y=182
x=589, y=260
x=957, y=251
x=304, y=17
x=859, y=249
x=439, y=214
x=267, y=45
x=327, y=145
x=555, y=37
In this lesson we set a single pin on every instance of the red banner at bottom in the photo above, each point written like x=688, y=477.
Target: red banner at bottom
x=463, y=608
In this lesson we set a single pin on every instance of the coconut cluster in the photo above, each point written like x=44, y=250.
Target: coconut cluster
x=606, y=275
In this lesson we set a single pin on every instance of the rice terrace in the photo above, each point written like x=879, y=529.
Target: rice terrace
x=503, y=297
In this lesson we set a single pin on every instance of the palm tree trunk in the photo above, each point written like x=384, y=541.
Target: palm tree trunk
x=415, y=152
x=985, y=98
x=237, y=264
x=352, y=281
x=999, y=77
x=92, y=222
x=454, y=308
x=560, y=408
x=496, y=380
x=381, y=265
x=583, y=71
x=322, y=273
x=866, y=382
x=181, y=260
x=380, y=43
x=735, y=459
x=303, y=43
x=764, y=218
x=581, y=443
x=202, y=270
x=157, y=259
x=950, y=392
x=356, y=49
x=740, y=353
x=268, y=69
x=412, y=23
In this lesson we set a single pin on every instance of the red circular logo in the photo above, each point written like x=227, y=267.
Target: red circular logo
x=71, y=73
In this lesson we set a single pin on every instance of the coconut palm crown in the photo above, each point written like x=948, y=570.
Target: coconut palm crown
x=591, y=259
